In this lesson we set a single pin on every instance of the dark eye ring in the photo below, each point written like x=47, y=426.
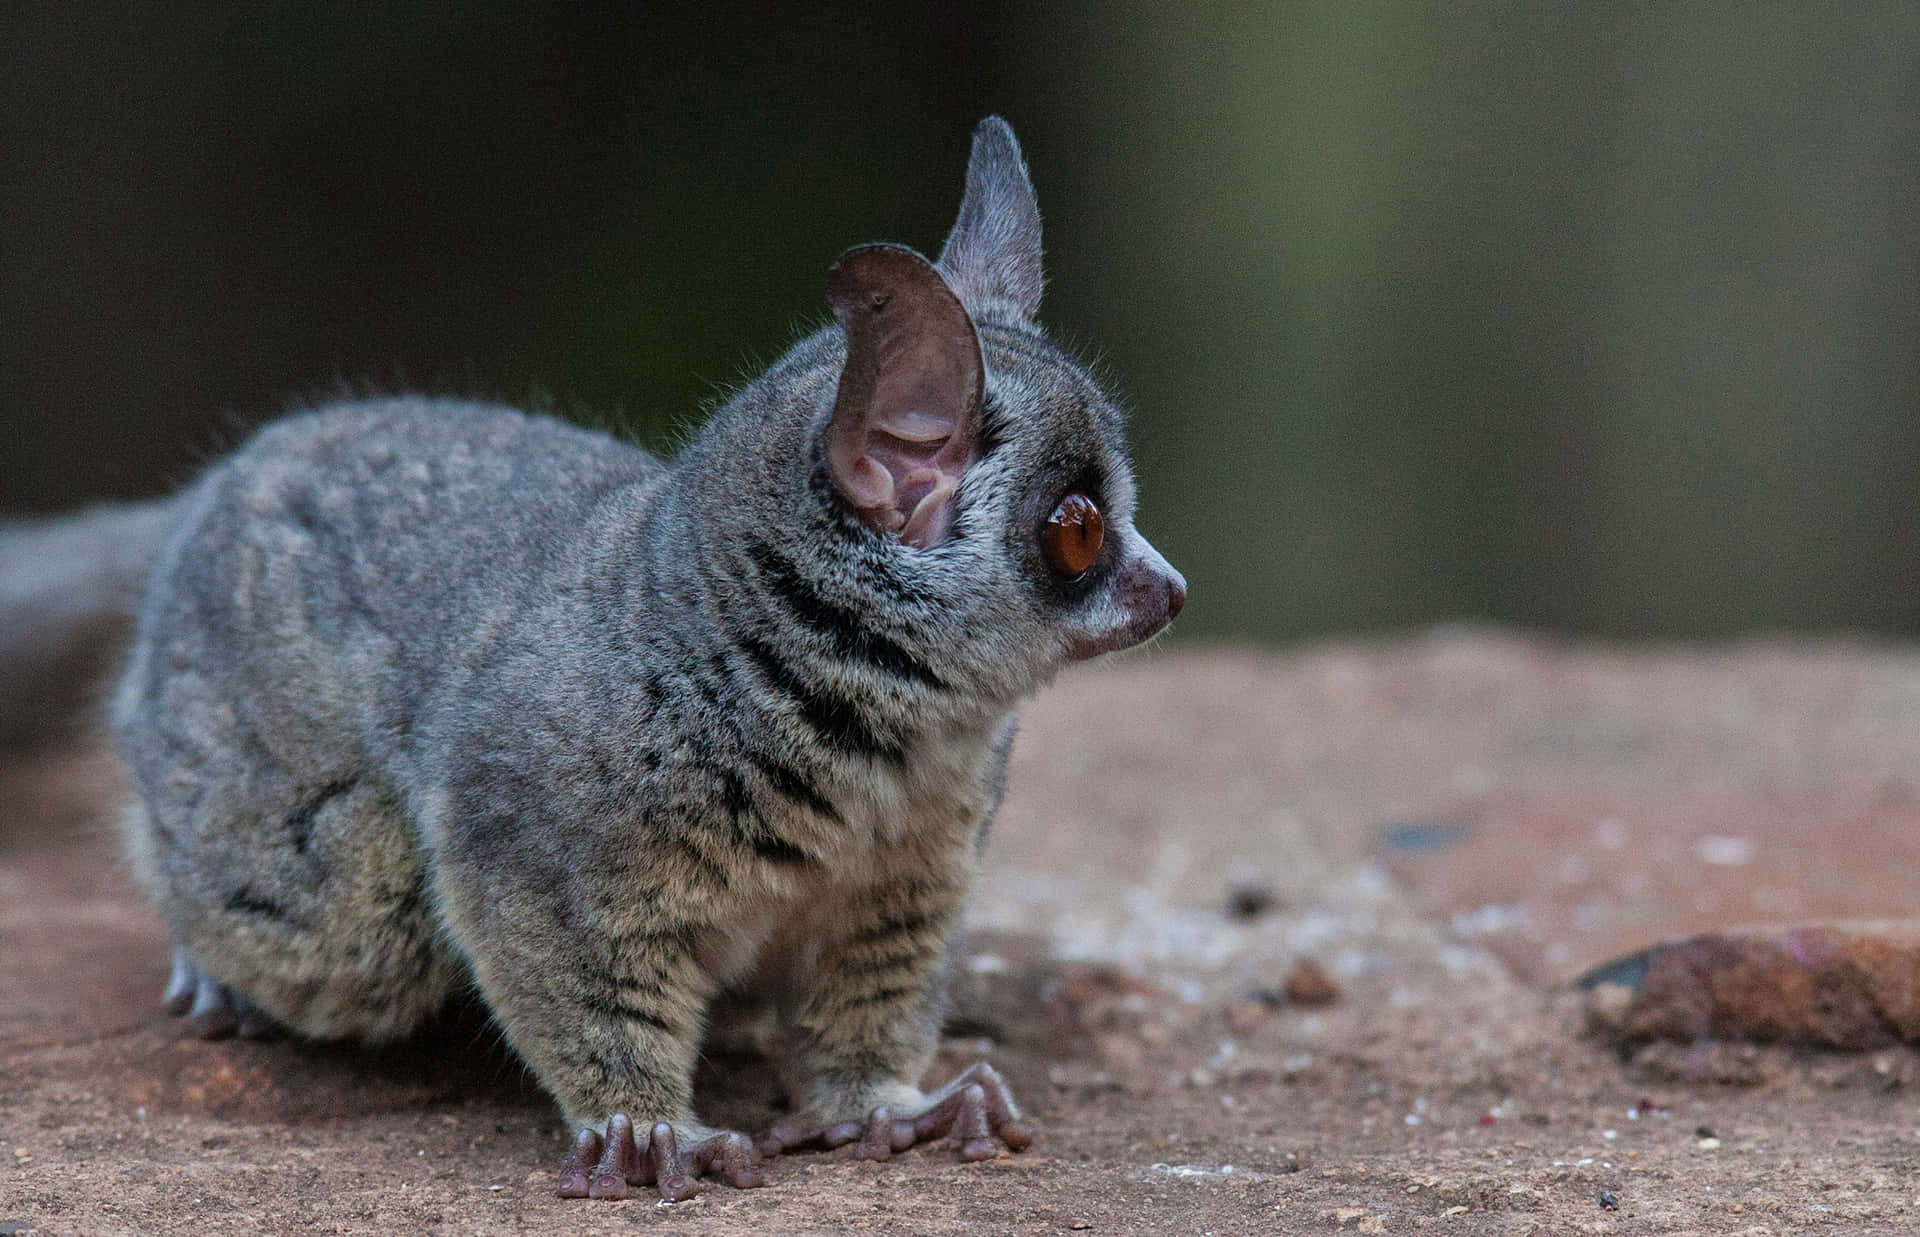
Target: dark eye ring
x=1072, y=536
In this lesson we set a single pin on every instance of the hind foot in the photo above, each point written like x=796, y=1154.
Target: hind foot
x=975, y=1112
x=212, y=1010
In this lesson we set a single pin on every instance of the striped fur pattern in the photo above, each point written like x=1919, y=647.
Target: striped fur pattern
x=427, y=693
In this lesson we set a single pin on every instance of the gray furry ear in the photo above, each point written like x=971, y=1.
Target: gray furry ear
x=992, y=256
x=906, y=419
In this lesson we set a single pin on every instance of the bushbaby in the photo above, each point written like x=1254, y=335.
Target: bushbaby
x=429, y=693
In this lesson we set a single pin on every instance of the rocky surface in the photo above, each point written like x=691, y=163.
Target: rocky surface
x=1449, y=828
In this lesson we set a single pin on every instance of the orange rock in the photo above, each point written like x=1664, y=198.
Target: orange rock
x=1307, y=984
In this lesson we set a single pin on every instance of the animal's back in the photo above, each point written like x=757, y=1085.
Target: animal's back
x=334, y=566
x=319, y=585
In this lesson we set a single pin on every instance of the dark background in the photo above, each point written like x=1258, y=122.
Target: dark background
x=1592, y=317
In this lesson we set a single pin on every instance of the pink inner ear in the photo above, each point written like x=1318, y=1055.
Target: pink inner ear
x=869, y=486
x=906, y=416
x=921, y=478
x=912, y=436
x=914, y=425
x=906, y=487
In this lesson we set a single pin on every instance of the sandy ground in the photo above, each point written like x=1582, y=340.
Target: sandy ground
x=1451, y=826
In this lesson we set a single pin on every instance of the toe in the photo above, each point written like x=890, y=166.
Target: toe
x=255, y=1023
x=733, y=1155
x=673, y=1173
x=178, y=998
x=619, y=1161
x=212, y=1013
x=580, y=1162
x=876, y=1141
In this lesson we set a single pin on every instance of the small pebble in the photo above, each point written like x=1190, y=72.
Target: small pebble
x=1609, y=1201
x=1244, y=1016
x=1708, y=1144
x=1250, y=900
x=1307, y=984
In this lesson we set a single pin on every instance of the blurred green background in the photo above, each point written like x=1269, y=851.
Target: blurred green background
x=1599, y=318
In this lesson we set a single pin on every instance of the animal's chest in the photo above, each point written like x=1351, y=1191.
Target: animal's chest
x=914, y=823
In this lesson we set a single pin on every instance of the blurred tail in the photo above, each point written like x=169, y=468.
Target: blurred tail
x=68, y=590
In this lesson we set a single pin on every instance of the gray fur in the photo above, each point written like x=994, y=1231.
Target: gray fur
x=426, y=690
x=992, y=256
x=68, y=590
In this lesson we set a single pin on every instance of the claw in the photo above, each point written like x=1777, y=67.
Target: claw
x=603, y=1167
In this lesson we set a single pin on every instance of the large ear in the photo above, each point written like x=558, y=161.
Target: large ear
x=992, y=256
x=906, y=421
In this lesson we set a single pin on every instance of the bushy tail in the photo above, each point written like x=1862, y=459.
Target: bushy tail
x=68, y=589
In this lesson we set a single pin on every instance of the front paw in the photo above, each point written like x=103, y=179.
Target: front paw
x=975, y=1110
x=672, y=1159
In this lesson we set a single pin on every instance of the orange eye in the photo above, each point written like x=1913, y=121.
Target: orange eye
x=1072, y=535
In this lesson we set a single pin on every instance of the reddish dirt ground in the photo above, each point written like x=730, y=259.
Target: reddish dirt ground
x=1450, y=826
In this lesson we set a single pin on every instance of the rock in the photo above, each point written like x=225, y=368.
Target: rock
x=1307, y=984
x=1853, y=987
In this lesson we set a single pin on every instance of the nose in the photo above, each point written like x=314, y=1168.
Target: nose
x=1176, y=587
x=1149, y=593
